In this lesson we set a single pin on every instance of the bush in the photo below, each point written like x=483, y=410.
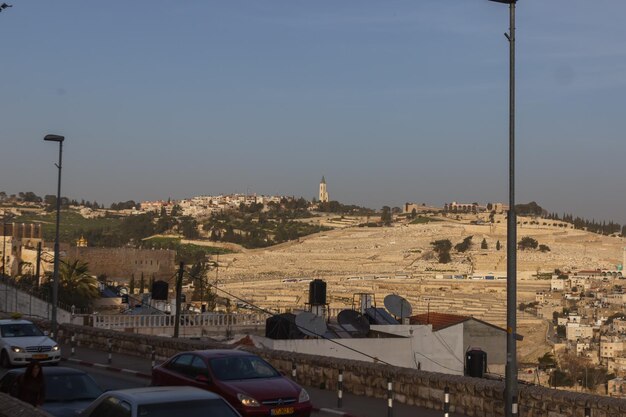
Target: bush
x=527, y=243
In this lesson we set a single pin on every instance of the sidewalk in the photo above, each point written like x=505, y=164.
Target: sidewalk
x=323, y=400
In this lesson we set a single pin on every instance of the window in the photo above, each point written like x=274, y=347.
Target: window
x=20, y=330
x=111, y=407
x=181, y=363
x=198, y=367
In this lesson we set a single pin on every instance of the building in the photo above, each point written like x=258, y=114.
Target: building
x=122, y=263
x=17, y=237
x=323, y=191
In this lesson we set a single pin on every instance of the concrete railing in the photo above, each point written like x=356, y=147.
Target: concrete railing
x=474, y=397
x=186, y=320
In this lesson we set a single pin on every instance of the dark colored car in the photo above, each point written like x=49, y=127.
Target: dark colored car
x=246, y=381
x=160, y=402
x=68, y=390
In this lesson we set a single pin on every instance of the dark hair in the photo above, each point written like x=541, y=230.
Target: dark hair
x=28, y=373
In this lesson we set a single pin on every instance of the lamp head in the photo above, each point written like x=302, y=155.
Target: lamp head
x=54, y=138
x=504, y=1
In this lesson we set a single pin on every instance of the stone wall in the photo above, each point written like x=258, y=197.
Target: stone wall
x=122, y=262
x=11, y=407
x=468, y=396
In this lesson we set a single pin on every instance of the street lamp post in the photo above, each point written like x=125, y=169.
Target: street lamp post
x=511, y=389
x=55, y=275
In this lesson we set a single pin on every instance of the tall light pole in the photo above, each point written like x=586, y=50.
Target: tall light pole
x=510, y=388
x=55, y=275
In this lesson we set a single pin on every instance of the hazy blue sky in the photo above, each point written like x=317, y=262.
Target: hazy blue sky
x=391, y=100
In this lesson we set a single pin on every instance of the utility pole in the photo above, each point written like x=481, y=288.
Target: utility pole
x=179, y=289
x=511, y=388
x=38, y=266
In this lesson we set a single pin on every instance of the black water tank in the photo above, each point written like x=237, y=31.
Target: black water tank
x=282, y=326
x=159, y=290
x=475, y=363
x=317, y=292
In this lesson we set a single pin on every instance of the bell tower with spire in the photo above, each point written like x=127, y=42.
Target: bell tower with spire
x=323, y=193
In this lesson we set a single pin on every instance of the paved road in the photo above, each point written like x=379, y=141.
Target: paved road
x=126, y=369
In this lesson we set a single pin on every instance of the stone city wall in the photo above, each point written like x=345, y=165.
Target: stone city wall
x=468, y=396
x=123, y=262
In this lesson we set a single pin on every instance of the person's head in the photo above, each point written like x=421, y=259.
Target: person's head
x=33, y=370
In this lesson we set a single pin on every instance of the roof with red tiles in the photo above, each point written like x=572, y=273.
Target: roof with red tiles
x=438, y=320
x=441, y=321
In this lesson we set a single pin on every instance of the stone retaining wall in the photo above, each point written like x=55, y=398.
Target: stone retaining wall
x=473, y=397
x=11, y=407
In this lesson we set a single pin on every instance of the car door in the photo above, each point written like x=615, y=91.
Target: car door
x=176, y=372
x=198, y=373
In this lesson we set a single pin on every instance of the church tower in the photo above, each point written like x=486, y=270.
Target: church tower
x=323, y=193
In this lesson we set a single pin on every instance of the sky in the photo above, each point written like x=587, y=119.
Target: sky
x=392, y=101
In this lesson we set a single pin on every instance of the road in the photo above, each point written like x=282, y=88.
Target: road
x=323, y=400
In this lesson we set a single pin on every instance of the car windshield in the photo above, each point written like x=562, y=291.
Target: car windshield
x=20, y=330
x=71, y=387
x=242, y=367
x=197, y=408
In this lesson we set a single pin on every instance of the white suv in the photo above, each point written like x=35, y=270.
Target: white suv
x=21, y=342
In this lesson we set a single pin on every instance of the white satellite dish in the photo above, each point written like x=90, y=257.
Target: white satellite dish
x=398, y=306
x=310, y=324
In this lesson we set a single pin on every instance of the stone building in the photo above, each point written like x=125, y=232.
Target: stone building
x=121, y=263
x=16, y=237
x=323, y=191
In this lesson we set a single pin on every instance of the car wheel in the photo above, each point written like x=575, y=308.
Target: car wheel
x=4, y=360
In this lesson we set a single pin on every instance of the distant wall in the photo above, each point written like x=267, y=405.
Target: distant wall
x=123, y=262
x=468, y=396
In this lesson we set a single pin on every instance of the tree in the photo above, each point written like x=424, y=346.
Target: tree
x=131, y=284
x=442, y=248
x=498, y=246
x=527, y=242
x=465, y=245
x=544, y=248
x=546, y=361
x=413, y=213
x=386, y=216
x=142, y=284
x=189, y=228
x=76, y=286
x=483, y=244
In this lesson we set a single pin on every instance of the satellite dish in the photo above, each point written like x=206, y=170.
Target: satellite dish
x=354, y=322
x=310, y=324
x=398, y=306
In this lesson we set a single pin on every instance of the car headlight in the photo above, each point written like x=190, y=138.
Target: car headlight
x=248, y=401
x=55, y=348
x=304, y=396
x=17, y=349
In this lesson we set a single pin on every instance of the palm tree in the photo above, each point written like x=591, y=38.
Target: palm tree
x=76, y=286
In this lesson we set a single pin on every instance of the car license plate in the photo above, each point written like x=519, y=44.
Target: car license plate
x=40, y=356
x=283, y=411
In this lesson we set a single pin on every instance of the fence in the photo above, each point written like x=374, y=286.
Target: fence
x=116, y=322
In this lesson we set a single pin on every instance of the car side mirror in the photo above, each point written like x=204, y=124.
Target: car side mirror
x=203, y=378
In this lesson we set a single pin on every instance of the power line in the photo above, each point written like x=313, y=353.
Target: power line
x=274, y=314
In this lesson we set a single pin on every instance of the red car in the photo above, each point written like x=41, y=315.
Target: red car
x=246, y=381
